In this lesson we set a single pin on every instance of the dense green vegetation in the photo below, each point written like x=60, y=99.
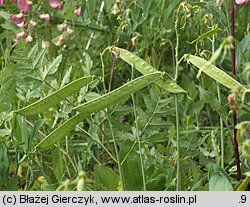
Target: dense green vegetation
x=124, y=95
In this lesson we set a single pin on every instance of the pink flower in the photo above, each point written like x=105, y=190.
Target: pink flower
x=241, y=2
x=56, y=4
x=78, y=11
x=18, y=19
x=1, y=2
x=24, y=5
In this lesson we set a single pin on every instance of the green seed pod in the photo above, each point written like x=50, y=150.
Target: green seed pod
x=214, y=72
x=145, y=68
x=97, y=104
x=4, y=163
x=54, y=98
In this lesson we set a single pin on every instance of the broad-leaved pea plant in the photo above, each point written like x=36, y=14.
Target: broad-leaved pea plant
x=124, y=95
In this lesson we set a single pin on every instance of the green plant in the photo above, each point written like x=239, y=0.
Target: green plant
x=124, y=95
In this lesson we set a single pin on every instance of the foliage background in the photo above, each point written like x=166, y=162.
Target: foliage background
x=89, y=152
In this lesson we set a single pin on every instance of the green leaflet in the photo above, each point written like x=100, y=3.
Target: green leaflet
x=146, y=68
x=97, y=104
x=241, y=50
x=57, y=161
x=105, y=177
x=219, y=182
x=4, y=163
x=214, y=72
x=54, y=98
x=213, y=101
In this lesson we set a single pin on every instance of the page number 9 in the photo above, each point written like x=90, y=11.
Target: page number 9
x=243, y=199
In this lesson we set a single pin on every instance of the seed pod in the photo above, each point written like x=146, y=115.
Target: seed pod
x=97, y=104
x=214, y=72
x=54, y=98
x=145, y=68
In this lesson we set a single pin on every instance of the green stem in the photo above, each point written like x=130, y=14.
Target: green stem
x=178, y=173
x=222, y=138
x=117, y=154
x=139, y=145
x=138, y=138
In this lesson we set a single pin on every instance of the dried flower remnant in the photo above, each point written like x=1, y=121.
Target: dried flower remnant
x=18, y=19
x=45, y=45
x=232, y=101
x=24, y=5
x=19, y=35
x=115, y=8
x=116, y=53
x=31, y=26
x=219, y=4
x=29, y=38
x=45, y=18
x=134, y=41
x=62, y=27
x=68, y=33
x=59, y=40
x=56, y=4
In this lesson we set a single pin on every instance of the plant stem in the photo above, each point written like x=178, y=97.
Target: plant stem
x=139, y=145
x=178, y=174
x=138, y=137
x=117, y=155
x=236, y=149
x=222, y=137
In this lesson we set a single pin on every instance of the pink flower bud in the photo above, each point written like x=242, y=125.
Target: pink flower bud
x=78, y=11
x=24, y=5
x=241, y=2
x=18, y=19
x=56, y=4
x=1, y=2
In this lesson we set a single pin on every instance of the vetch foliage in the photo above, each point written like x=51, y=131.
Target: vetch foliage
x=95, y=95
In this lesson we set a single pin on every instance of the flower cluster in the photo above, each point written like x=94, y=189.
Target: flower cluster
x=28, y=26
